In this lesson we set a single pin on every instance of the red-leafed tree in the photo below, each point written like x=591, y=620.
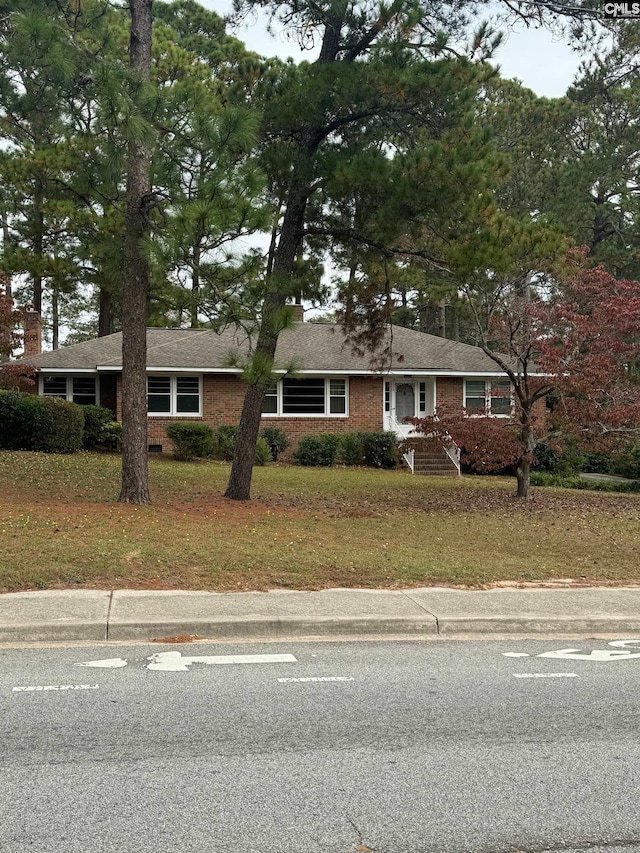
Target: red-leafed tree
x=13, y=375
x=582, y=343
x=592, y=347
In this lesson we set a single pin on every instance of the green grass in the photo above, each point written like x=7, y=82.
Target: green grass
x=60, y=526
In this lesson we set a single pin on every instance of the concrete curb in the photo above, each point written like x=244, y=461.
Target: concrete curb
x=96, y=615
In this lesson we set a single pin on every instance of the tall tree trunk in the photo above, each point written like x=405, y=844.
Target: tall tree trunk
x=455, y=321
x=38, y=246
x=272, y=321
x=135, y=469
x=55, y=317
x=106, y=316
x=6, y=242
x=195, y=287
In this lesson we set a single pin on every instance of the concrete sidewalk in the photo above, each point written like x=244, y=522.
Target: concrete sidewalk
x=419, y=613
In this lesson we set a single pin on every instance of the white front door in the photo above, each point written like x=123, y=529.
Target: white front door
x=406, y=398
x=405, y=401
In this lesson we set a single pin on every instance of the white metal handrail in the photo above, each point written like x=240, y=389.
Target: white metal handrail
x=453, y=452
x=410, y=458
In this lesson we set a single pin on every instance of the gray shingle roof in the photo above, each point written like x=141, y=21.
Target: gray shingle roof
x=312, y=347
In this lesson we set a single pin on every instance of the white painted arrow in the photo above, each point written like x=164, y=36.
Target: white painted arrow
x=174, y=662
x=601, y=655
x=107, y=663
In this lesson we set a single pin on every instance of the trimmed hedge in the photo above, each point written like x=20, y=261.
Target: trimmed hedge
x=352, y=449
x=380, y=449
x=46, y=424
x=98, y=428
x=377, y=449
x=190, y=439
x=317, y=450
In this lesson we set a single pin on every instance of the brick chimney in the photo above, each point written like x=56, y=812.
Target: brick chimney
x=297, y=313
x=32, y=332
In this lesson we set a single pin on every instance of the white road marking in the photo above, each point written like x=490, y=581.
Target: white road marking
x=544, y=675
x=601, y=655
x=45, y=687
x=621, y=644
x=316, y=678
x=174, y=662
x=515, y=654
x=107, y=663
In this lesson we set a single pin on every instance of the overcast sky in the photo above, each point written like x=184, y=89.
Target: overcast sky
x=541, y=62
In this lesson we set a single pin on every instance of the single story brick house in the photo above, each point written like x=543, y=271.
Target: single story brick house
x=196, y=374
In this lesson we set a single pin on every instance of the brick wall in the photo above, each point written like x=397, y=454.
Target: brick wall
x=449, y=392
x=223, y=397
x=222, y=404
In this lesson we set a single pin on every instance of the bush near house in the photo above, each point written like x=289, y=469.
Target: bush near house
x=100, y=430
x=224, y=442
x=352, y=449
x=45, y=424
x=380, y=449
x=224, y=438
x=191, y=440
x=317, y=450
x=377, y=449
x=277, y=440
x=263, y=452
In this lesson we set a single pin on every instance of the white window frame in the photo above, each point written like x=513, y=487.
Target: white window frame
x=69, y=385
x=488, y=396
x=173, y=395
x=327, y=399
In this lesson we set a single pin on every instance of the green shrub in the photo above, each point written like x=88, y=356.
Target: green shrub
x=570, y=460
x=190, y=439
x=224, y=441
x=96, y=419
x=351, y=449
x=380, y=449
x=112, y=436
x=597, y=463
x=539, y=478
x=277, y=440
x=263, y=452
x=224, y=438
x=67, y=426
x=29, y=422
x=22, y=418
x=317, y=450
x=628, y=463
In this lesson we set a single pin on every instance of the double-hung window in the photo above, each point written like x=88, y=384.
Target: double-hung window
x=174, y=395
x=76, y=389
x=491, y=397
x=307, y=396
x=500, y=400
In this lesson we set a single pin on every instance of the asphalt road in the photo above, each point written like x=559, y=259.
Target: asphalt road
x=393, y=747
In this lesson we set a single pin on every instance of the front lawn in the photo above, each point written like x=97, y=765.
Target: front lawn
x=305, y=529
